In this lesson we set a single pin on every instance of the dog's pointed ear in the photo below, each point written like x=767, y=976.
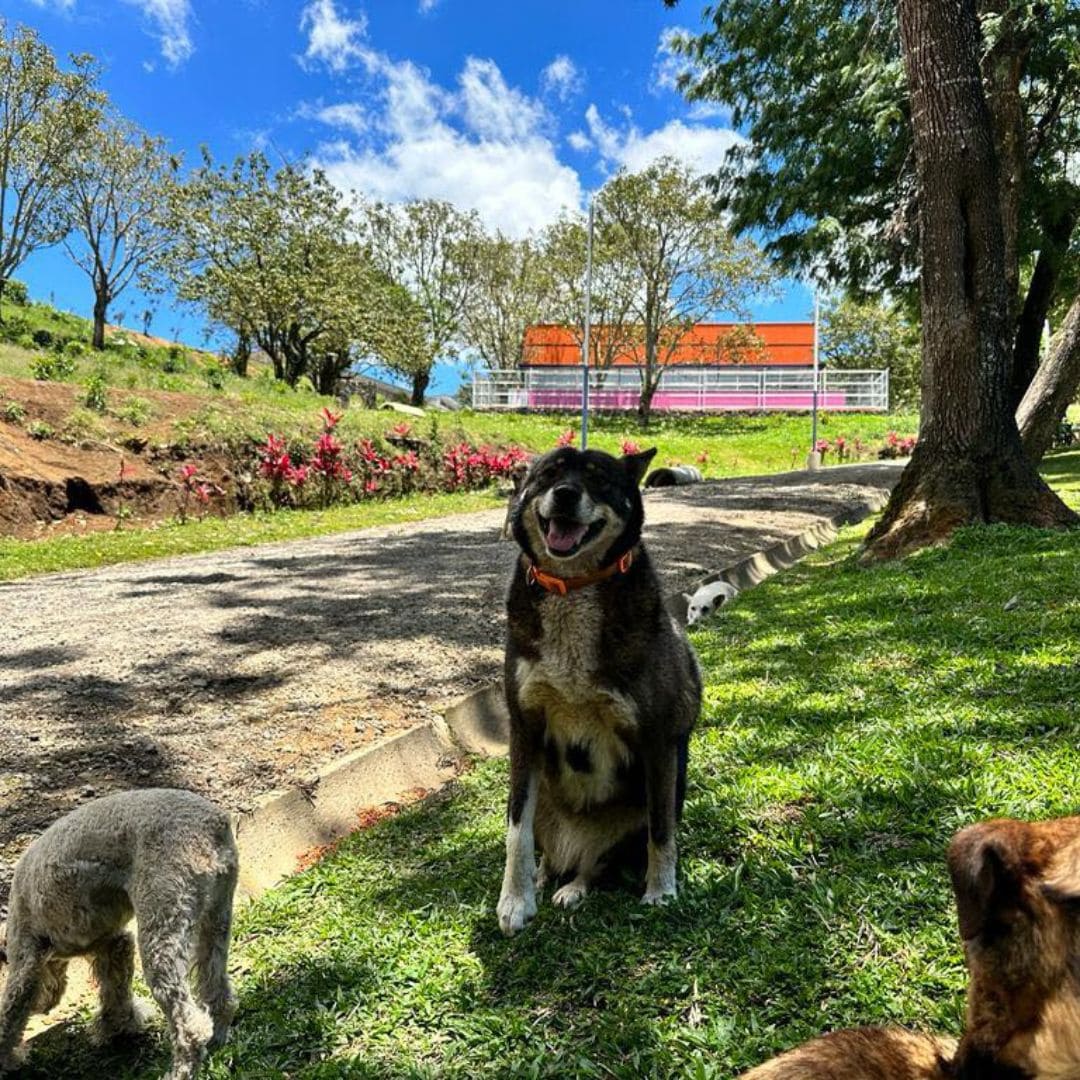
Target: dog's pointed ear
x=636, y=465
x=987, y=875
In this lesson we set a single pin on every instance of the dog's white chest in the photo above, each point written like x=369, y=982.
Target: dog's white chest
x=586, y=722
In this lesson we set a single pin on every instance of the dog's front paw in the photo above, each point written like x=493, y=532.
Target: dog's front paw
x=660, y=895
x=571, y=894
x=514, y=911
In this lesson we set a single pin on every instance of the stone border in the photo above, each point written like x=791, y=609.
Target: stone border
x=285, y=826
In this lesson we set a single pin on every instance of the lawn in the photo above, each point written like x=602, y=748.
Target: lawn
x=854, y=718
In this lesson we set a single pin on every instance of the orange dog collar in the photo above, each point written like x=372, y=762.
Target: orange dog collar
x=552, y=583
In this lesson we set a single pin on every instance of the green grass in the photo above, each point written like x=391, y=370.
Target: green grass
x=21, y=558
x=854, y=718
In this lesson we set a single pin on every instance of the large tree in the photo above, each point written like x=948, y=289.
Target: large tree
x=689, y=267
x=431, y=247
x=46, y=114
x=828, y=168
x=508, y=296
x=564, y=245
x=116, y=202
x=272, y=256
x=969, y=464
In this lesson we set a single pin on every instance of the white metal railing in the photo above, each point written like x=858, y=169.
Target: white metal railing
x=684, y=389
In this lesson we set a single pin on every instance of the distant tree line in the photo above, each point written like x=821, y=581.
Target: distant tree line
x=320, y=282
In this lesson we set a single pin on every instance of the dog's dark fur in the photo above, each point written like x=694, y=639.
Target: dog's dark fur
x=602, y=688
x=1017, y=887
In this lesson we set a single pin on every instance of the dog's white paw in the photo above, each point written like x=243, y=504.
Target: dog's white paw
x=514, y=911
x=659, y=895
x=571, y=894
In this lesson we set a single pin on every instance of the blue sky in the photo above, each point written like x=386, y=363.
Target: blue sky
x=516, y=108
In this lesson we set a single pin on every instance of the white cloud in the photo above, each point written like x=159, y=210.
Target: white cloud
x=63, y=5
x=669, y=64
x=483, y=145
x=427, y=6
x=562, y=78
x=333, y=39
x=349, y=115
x=170, y=18
x=579, y=141
x=702, y=147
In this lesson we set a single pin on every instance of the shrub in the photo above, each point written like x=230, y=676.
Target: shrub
x=15, y=327
x=14, y=412
x=97, y=391
x=52, y=366
x=214, y=373
x=75, y=348
x=16, y=293
x=38, y=429
x=43, y=338
x=135, y=411
x=175, y=360
x=83, y=426
x=897, y=446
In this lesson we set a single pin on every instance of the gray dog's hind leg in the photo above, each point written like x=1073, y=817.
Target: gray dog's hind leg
x=26, y=960
x=212, y=958
x=113, y=965
x=163, y=945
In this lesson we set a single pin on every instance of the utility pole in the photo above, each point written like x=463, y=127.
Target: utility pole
x=588, y=330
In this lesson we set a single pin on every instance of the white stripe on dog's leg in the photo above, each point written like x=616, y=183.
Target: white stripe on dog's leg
x=660, y=877
x=517, y=901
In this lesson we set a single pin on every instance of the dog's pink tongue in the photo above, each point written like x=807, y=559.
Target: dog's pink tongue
x=562, y=537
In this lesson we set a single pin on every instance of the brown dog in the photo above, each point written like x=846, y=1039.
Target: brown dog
x=1017, y=887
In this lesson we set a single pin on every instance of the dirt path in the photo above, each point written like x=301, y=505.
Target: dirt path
x=241, y=671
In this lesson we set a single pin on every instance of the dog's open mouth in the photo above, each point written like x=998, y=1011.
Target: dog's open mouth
x=566, y=536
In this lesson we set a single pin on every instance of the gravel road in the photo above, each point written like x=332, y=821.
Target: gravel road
x=241, y=671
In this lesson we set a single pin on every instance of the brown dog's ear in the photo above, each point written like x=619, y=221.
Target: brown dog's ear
x=637, y=465
x=986, y=876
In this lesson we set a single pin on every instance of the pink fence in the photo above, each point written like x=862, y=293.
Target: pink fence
x=569, y=400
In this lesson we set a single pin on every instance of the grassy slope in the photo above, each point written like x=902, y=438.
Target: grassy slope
x=854, y=718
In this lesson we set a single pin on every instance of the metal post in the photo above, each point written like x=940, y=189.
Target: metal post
x=588, y=330
x=813, y=459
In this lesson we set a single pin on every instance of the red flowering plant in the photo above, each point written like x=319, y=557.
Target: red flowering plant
x=823, y=446
x=897, y=446
x=466, y=466
x=628, y=447
x=328, y=464
x=840, y=445
x=195, y=488
x=567, y=438
x=703, y=458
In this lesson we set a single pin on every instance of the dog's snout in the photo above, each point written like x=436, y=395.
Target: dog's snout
x=565, y=498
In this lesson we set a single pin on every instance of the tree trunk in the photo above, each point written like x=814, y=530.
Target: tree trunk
x=3, y=286
x=1040, y=295
x=420, y=382
x=969, y=465
x=101, y=307
x=1053, y=388
x=241, y=355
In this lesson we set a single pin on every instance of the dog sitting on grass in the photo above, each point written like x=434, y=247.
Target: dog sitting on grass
x=1017, y=887
x=602, y=688
x=166, y=858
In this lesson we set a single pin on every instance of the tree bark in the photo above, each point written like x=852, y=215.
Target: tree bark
x=1053, y=388
x=420, y=382
x=969, y=465
x=101, y=308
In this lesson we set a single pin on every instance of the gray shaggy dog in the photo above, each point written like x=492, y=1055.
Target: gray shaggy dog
x=166, y=858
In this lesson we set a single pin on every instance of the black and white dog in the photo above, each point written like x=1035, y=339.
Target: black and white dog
x=601, y=684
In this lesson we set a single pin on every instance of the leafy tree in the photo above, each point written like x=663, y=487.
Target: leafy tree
x=661, y=223
x=45, y=116
x=873, y=334
x=969, y=464
x=270, y=256
x=614, y=287
x=828, y=170
x=116, y=201
x=431, y=247
x=507, y=296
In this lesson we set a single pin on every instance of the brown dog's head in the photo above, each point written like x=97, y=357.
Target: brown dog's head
x=1017, y=888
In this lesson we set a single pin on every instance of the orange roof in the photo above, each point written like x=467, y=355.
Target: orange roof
x=787, y=344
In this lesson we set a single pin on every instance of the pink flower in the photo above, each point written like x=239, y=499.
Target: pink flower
x=298, y=475
x=703, y=457
x=823, y=446
x=628, y=447
x=329, y=419
x=402, y=430
x=567, y=438
x=371, y=486
x=202, y=493
x=187, y=473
